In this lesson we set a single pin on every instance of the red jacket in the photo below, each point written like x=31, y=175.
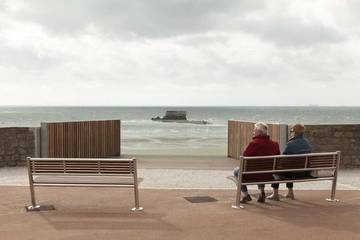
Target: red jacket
x=261, y=145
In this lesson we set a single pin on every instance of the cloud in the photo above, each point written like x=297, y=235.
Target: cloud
x=160, y=18
x=25, y=59
x=178, y=52
x=291, y=32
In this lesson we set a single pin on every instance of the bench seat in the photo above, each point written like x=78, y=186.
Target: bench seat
x=78, y=180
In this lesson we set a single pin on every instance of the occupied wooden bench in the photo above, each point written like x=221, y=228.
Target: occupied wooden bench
x=76, y=172
x=269, y=165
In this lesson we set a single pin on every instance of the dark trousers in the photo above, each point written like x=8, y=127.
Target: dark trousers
x=290, y=175
x=288, y=185
x=244, y=187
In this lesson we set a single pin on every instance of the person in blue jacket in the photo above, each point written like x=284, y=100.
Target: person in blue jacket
x=297, y=144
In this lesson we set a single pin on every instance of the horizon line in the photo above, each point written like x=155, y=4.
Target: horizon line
x=309, y=105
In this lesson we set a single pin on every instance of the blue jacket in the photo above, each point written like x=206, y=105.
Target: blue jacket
x=297, y=145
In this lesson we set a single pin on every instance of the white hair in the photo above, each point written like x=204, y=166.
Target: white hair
x=261, y=127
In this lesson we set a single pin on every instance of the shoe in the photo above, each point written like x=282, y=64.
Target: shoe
x=261, y=198
x=274, y=197
x=290, y=195
x=245, y=199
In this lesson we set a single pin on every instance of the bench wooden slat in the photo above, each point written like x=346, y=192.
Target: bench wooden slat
x=290, y=163
x=82, y=185
x=78, y=166
x=313, y=165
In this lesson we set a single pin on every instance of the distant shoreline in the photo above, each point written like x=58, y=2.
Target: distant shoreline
x=180, y=106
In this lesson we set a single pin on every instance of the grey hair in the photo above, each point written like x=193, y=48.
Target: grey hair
x=261, y=127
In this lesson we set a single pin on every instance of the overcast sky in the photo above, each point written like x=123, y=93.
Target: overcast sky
x=179, y=52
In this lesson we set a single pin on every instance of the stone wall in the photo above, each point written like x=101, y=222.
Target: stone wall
x=17, y=143
x=341, y=137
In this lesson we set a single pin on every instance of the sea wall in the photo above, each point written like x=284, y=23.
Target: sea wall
x=82, y=139
x=17, y=143
x=338, y=137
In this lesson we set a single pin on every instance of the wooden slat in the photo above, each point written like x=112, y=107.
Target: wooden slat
x=322, y=161
x=258, y=164
x=291, y=163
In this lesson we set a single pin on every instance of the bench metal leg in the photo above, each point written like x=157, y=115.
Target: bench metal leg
x=137, y=207
x=333, y=190
x=237, y=204
x=33, y=206
x=136, y=190
x=333, y=187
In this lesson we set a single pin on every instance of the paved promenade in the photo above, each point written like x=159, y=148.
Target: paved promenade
x=104, y=213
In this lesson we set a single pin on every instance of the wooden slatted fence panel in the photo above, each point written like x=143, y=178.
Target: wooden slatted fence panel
x=86, y=139
x=240, y=134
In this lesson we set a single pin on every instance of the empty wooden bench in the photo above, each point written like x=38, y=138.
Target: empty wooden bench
x=76, y=172
x=269, y=165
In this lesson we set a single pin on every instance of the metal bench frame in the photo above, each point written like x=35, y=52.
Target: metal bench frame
x=81, y=167
x=332, y=162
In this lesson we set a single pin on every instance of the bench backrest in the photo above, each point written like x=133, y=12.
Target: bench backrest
x=279, y=163
x=76, y=166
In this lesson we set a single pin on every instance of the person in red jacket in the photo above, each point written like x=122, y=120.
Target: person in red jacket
x=261, y=145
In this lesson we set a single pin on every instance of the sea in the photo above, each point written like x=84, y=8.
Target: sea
x=141, y=135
